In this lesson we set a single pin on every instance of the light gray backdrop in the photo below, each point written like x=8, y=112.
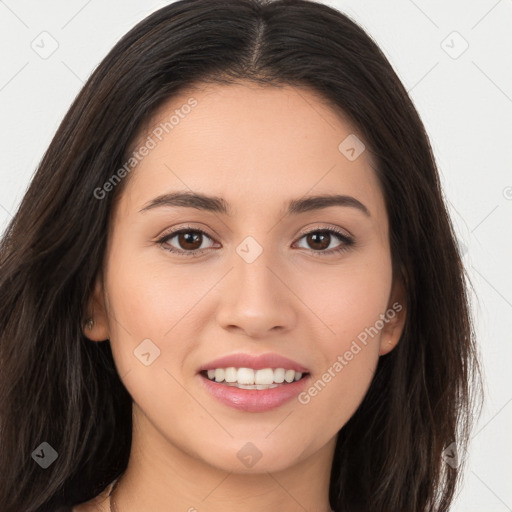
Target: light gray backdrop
x=454, y=57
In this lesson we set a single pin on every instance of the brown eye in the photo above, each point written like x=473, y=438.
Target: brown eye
x=188, y=242
x=320, y=239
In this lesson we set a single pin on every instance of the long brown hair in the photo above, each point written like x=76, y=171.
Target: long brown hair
x=58, y=387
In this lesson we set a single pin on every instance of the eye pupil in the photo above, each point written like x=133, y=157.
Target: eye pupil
x=188, y=238
x=314, y=237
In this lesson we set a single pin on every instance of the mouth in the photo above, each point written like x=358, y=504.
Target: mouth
x=249, y=378
x=261, y=395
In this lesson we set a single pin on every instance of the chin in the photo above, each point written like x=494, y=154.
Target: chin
x=253, y=457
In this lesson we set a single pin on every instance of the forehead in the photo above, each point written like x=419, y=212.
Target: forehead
x=257, y=147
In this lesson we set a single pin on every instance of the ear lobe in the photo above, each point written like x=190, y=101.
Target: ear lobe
x=95, y=324
x=394, y=319
x=388, y=346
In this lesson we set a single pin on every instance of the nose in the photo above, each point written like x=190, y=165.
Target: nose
x=256, y=298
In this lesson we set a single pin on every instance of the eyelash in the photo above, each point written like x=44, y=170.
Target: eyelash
x=348, y=242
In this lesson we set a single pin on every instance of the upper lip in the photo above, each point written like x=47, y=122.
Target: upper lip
x=257, y=362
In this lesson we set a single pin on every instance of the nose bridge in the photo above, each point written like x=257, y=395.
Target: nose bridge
x=253, y=269
x=255, y=299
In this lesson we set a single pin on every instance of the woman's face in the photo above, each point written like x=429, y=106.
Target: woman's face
x=257, y=282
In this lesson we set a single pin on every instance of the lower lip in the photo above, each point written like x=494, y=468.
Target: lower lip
x=254, y=400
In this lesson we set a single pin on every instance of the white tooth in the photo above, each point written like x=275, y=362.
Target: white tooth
x=248, y=376
x=245, y=376
x=279, y=375
x=265, y=386
x=230, y=374
x=250, y=386
x=289, y=375
x=256, y=386
x=264, y=376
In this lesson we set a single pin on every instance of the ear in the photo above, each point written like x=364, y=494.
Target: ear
x=395, y=318
x=97, y=312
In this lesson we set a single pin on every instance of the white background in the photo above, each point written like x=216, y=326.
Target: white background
x=465, y=103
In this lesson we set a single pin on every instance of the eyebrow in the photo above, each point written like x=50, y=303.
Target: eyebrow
x=217, y=204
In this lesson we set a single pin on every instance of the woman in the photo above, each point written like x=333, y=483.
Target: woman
x=233, y=282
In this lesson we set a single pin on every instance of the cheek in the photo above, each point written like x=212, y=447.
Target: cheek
x=148, y=302
x=350, y=307
x=347, y=300
x=349, y=304
x=150, y=294
x=153, y=332
x=336, y=393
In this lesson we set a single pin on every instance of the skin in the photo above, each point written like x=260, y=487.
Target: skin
x=257, y=147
